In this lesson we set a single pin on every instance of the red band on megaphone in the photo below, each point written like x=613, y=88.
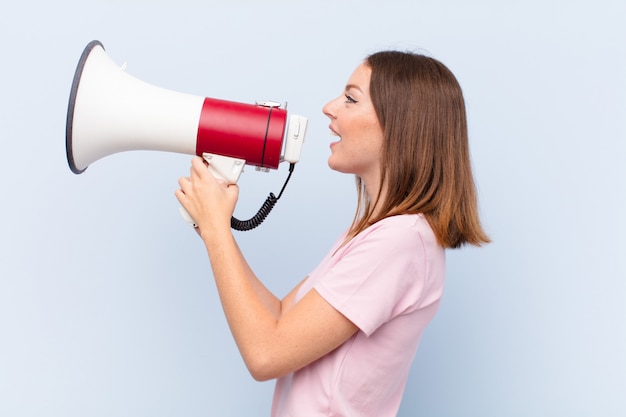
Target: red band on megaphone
x=246, y=131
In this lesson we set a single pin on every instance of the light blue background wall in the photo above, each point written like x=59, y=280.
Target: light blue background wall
x=107, y=306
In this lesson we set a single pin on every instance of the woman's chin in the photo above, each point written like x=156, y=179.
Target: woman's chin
x=335, y=166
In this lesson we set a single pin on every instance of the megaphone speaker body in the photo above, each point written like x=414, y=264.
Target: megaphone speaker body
x=110, y=111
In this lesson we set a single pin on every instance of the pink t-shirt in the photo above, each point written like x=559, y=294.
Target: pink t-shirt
x=388, y=281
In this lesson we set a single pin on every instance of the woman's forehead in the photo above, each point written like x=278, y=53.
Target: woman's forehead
x=360, y=78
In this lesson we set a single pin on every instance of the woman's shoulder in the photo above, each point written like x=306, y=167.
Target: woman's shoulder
x=404, y=220
x=408, y=230
x=407, y=223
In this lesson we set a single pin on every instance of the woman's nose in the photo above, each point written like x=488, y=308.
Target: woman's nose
x=329, y=109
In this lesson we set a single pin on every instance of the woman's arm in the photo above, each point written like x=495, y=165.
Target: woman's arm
x=274, y=337
x=271, y=346
x=269, y=300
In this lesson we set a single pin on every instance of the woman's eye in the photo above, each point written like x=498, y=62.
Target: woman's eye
x=350, y=99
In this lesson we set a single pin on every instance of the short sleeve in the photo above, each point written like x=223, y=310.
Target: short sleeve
x=381, y=273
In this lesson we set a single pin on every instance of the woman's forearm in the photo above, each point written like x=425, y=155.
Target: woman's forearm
x=250, y=309
x=271, y=302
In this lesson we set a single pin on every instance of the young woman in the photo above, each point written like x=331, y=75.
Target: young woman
x=342, y=341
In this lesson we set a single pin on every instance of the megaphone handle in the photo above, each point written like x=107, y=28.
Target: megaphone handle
x=223, y=167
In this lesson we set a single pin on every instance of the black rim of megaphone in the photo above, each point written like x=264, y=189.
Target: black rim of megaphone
x=70, y=109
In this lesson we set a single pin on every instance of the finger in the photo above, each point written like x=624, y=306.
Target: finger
x=184, y=182
x=197, y=169
x=180, y=195
x=199, y=164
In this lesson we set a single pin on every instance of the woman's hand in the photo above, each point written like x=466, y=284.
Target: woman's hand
x=209, y=201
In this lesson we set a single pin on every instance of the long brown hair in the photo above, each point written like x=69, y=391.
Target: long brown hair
x=425, y=161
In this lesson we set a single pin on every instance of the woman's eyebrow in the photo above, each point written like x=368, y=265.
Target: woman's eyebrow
x=349, y=86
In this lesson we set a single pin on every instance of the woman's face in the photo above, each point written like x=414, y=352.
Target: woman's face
x=354, y=121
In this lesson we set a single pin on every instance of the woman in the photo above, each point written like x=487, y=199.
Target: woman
x=342, y=341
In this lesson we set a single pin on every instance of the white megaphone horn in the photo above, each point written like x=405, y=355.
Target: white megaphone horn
x=110, y=111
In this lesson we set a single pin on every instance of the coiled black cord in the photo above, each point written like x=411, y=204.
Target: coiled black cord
x=264, y=211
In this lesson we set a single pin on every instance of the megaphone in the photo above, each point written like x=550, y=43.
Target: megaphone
x=111, y=111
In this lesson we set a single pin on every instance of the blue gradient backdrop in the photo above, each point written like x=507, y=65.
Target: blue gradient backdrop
x=107, y=305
